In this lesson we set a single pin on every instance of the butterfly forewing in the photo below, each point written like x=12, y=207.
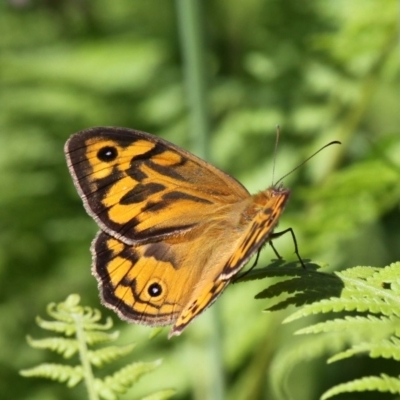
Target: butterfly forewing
x=140, y=188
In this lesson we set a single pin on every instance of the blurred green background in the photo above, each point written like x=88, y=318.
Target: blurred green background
x=322, y=70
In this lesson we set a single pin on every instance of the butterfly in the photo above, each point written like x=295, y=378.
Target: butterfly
x=174, y=229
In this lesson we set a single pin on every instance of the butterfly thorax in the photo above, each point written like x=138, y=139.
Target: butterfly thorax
x=267, y=198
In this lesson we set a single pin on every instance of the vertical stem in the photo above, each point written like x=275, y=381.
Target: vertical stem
x=194, y=55
x=192, y=44
x=84, y=357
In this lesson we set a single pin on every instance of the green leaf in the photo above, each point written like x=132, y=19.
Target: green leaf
x=66, y=347
x=109, y=354
x=57, y=326
x=96, y=337
x=385, y=348
x=372, y=295
x=306, y=285
x=382, y=384
x=374, y=327
x=61, y=373
x=71, y=318
x=123, y=379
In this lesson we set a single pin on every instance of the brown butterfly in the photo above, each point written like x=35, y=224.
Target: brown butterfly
x=174, y=230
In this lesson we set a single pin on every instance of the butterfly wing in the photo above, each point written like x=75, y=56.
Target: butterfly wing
x=140, y=188
x=174, y=280
x=145, y=283
x=175, y=229
x=258, y=220
x=152, y=283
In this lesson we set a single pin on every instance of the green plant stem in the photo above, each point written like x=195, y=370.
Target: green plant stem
x=191, y=35
x=84, y=357
x=194, y=55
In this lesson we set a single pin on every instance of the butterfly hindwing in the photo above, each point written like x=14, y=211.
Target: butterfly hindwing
x=136, y=281
x=153, y=283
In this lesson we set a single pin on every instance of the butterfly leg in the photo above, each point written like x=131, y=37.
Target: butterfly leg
x=256, y=260
x=275, y=251
x=275, y=235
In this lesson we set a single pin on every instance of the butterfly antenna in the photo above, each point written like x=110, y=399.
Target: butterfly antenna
x=278, y=133
x=306, y=160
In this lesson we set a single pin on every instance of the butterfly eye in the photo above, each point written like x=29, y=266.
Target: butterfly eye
x=154, y=290
x=107, y=154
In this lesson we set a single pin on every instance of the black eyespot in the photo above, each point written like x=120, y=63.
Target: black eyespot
x=154, y=290
x=107, y=154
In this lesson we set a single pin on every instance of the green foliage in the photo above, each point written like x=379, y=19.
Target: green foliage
x=368, y=300
x=71, y=319
x=306, y=284
x=382, y=384
x=322, y=70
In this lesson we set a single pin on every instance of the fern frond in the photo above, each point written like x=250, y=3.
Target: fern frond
x=96, y=337
x=83, y=322
x=67, y=329
x=61, y=373
x=386, y=348
x=62, y=311
x=373, y=327
x=384, y=383
x=366, y=289
x=373, y=295
x=108, y=354
x=90, y=325
x=65, y=314
x=305, y=286
x=120, y=382
x=66, y=347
